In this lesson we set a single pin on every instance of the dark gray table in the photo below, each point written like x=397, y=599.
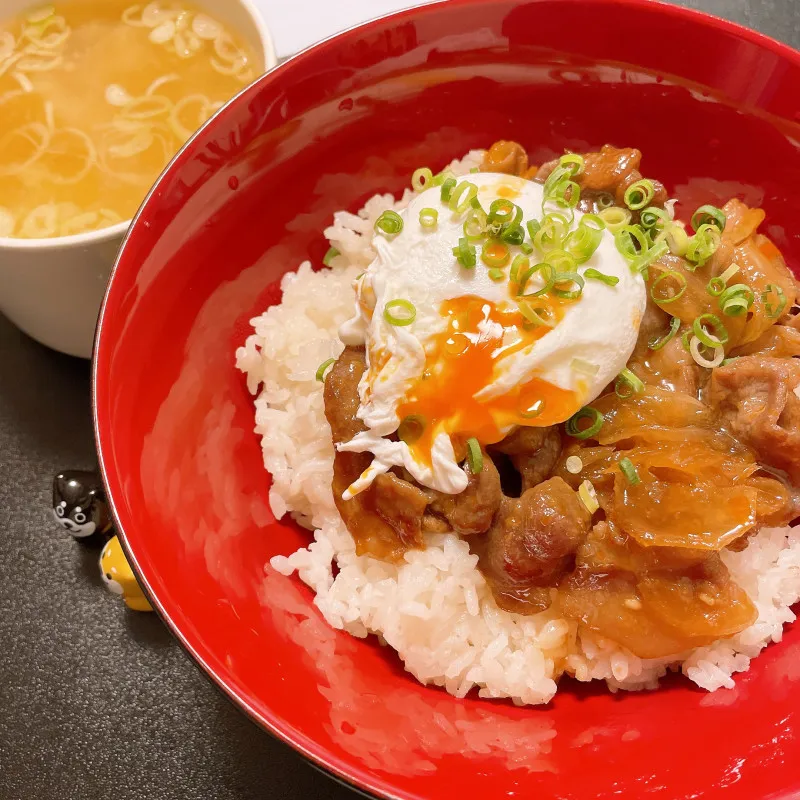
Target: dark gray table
x=97, y=703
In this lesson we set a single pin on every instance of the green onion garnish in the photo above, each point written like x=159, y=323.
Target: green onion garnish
x=568, y=278
x=719, y=335
x=323, y=368
x=709, y=363
x=631, y=241
x=533, y=315
x=390, y=223
x=703, y=244
x=518, y=267
x=726, y=361
x=475, y=225
x=656, y=343
x=526, y=248
x=573, y=162
x=716, y=286
x=615, y=218
x=399, y=313
x=709, y=215
x=608, y=280
x=586, y=413
x=670, y=298
x=604, y=200
x=503, y=211
x=495, y=254
x=628, y=384
x=421, y=179
x=447, y=189
x=465, y=253
x=533, y=226
x=639, y=194
x=552, y=231
x=411, y=428
x=654, y=217
x=676, y=238
x=462, y=196
x=496, y=274
x=566, y=194
x=629, y=471
x=587, y=494
x=736, y=300
x=774, y=310
x=428, y=217
x=649, y=257
x=513, y=235
x=329, y=256
x=474, y=455
x=686, y=337
x=549, y=276
x=585, y=239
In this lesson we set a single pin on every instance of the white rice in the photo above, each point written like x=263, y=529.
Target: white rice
x=435, y=609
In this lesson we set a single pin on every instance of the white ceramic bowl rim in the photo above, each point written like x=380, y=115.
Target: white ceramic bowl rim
x=118, y=230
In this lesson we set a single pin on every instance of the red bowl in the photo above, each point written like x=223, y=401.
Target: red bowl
x=713, y=106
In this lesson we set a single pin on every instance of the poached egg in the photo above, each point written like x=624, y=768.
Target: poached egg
x=470, y=364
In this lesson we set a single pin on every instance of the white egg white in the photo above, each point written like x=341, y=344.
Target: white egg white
x=418, y=265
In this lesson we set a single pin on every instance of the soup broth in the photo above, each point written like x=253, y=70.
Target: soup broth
x=95, y=97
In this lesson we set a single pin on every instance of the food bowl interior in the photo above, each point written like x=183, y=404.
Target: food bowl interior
x=712, y=107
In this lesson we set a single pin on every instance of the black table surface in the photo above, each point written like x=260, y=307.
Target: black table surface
x=96, y=702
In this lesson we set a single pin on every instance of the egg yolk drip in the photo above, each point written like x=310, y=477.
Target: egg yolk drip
x=463, y=359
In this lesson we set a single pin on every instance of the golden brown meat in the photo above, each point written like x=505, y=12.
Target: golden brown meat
x=401, y=505
x=755, y=398
x=533, y=452
x=472, y=511
x=507, y=157
x=533, y=542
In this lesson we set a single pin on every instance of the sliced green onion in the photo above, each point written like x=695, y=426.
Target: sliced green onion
x=476, y=203
x=676, y=238
x=629, y=471
x=445, y=174
x=329, y=256
x=566, y=194
x=558, y=175
x=631, y=241
x=639, y=194
x=649, y=257
x=475, y=225
x=533, y=316
x=461, y=196
x=399, y=313
x=533, y=226
x=496, y=274
x=549, y=275
x=666, y=275
x=716, y=286
x=703, y=244
x=729, y=273
x=475, y=169
x=586, y=413
x=736, y=300
x=428, y=217
x=465, y=253
x=628, y=384
x=475, y=456
x=390, y=223
x=656, y=343
x=573, y=162
x=503, y=211
x=588, y=496
x=526, y=248
x=513, y=235
x=421, y=179
x=715, y=339
x=552, y=231
x=518, y=266
x=700, y=359
x=447, y=189
x=615, y=218
x=495, y=254
x=726, y=361
x=323, y=368
x=709, y=215
x=411, y=428
x=653, y=217
x=568, y=278
x=604, y=200
x=774, y=310
x=585, y=239
x=574, y=465
x=608, y=280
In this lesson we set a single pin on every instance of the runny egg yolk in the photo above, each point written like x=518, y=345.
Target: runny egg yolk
x=462, y=360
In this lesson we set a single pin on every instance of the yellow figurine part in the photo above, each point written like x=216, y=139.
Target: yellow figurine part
x=119, y=578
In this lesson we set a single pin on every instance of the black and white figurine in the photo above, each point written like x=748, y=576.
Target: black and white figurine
x=79, y=505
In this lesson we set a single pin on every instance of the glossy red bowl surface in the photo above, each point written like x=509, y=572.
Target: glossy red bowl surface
x=714, y=107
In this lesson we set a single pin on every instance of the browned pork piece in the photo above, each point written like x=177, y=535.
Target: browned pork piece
x=755, y=398
x=533, y=452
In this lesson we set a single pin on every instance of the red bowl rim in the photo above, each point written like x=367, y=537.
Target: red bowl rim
x=354, y=778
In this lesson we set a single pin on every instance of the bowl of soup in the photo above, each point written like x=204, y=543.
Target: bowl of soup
x=95, y=99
